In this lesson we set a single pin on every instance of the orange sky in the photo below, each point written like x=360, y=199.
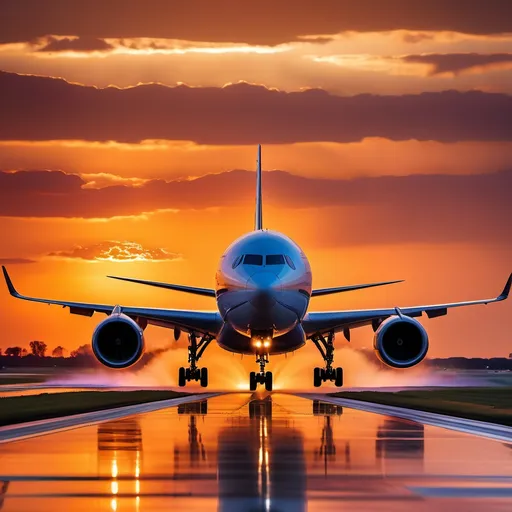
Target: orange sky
x=446, y=234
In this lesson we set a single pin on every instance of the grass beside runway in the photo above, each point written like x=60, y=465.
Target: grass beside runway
x=8, y=381
x=490, y=404
x=20, y=409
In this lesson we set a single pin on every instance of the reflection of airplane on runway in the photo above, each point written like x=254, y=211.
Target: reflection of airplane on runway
x=260, y=408
x=263, y=289
x=400, y=439
x=199, y=407
x=120, y=457
x=326, y=409
x=196, y=449
x=327, y=450
x=261, y=463
x=4, y=485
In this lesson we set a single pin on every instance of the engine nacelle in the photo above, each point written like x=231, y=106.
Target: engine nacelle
x=118, y=341
x=401, y=342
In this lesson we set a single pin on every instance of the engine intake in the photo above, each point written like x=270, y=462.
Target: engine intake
x=118, y=341
x=401, y=342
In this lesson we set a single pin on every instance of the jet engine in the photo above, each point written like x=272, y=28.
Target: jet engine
x=400, y=342
x=118, y=341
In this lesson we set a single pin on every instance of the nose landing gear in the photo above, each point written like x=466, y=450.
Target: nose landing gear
x=262, y=377
x=195, y=351
x=326, y=349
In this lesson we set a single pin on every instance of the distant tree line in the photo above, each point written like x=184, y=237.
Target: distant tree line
x=82, y=357
x=475, y=363
x=37, y=356
x=456, y=363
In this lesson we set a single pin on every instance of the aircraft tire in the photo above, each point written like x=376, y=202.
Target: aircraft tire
x=317, y=377
x=338, y=381
x=204, y=377
x=268, y=381
x=252, y=381
x=181, y=377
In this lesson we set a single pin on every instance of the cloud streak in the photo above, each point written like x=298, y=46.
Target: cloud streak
x=242, y=114
x=75, y=44
x=119, y=251
x=437, y=208
x=226, y=20
x=459, y=62
x=15, y=261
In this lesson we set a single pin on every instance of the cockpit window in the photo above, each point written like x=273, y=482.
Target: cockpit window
x=274, y=259
x=253, y=259
x=237, y=261
x=290, y=262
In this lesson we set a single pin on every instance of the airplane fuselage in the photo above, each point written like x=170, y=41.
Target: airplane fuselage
x=263, y=287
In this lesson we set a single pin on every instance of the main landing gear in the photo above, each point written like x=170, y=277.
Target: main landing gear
x=326, y=348
x=195, y=351
x=262, y=377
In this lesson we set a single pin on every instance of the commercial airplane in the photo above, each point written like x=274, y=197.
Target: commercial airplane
x=263, y=290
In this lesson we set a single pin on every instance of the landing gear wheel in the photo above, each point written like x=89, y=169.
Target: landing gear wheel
x=182, y=380
x=204, y=377
x=317, y=377
x=195, y=351
x=252, y=381
x=268, y=381
x=338, y=379
x=325, y=345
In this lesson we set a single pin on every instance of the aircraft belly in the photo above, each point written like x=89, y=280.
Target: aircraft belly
x=231, y=340
x=277, y=319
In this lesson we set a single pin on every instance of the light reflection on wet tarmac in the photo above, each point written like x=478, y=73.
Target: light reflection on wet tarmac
x=243, y=452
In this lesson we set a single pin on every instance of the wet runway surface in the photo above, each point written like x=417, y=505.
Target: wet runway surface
x=243, y=452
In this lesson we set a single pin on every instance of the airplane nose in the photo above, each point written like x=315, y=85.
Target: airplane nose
x=264, y=285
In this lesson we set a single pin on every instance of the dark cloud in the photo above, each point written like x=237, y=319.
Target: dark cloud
x=445, y=208
x=458, y=62
x=262, y=22
x=15, y=261
x=79, y=44
x=114, y=250
x=417, y=37
x=42, y=108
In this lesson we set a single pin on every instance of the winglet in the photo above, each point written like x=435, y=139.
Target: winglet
x=10, y=286
x=504, y=294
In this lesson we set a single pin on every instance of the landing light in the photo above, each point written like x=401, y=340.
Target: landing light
x=266, y=343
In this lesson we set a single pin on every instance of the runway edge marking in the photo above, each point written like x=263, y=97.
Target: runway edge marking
x=21, y=431
x=478, y=428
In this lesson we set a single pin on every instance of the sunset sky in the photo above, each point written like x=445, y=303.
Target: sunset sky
x=128, y=133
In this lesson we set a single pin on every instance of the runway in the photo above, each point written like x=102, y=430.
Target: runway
x=244, y=452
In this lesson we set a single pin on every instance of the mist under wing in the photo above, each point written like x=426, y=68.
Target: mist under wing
x=341, y=289
x=322, y=322
x=204, y=322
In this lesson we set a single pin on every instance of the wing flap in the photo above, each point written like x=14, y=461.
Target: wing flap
x=80, y=311
x=434, y=313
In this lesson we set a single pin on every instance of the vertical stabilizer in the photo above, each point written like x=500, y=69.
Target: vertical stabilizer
x=258, y=219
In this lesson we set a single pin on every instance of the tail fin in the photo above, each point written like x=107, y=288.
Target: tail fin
x=258, y=220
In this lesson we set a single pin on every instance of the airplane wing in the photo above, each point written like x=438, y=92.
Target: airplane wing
x=323, y=322
x=204, y=322
x=208, y=292
x=340, y=289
